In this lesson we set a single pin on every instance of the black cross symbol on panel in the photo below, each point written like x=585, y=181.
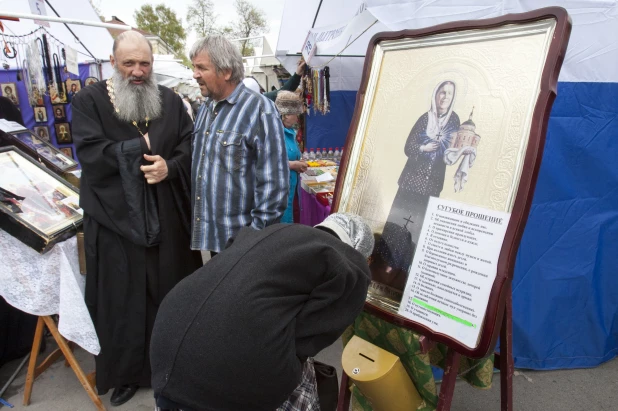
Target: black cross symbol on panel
x=408, y=220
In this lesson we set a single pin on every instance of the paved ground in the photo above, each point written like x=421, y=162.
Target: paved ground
x=573, y=390
x=593, y=389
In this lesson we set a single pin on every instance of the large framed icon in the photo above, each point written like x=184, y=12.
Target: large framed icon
x=442, y=158
x=37, y=206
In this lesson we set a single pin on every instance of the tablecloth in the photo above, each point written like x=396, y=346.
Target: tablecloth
x=47, y=284
x=404, y=343
x=312, y=212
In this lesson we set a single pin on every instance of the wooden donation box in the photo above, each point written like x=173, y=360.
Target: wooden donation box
x=380, y=376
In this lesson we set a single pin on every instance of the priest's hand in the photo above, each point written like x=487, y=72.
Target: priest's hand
x=156, y=172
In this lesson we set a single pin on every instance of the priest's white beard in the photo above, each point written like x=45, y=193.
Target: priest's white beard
x=136, y=101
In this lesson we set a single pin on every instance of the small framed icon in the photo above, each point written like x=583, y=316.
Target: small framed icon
x=42, y=132
x=63, y=133
x=90, y=80
x=59, y=112
x=9, y=91
x=73, y=87
x=40, y=114
x=68, y=151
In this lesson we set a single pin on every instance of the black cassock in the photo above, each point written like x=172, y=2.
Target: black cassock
x=137, y=235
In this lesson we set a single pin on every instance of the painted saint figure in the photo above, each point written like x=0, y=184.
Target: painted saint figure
x=63, y=133
x=73, y=91
x=58, y=113
x=8, y=93
x=42, y=133
x=421, y=178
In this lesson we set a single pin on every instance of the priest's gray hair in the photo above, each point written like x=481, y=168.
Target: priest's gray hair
x=136, y=101
x=223, y=55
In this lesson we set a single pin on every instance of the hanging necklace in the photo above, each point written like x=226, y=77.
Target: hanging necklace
x=112, y=97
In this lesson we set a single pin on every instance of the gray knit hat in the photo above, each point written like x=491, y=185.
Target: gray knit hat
x=352, y=230
x=288, y=102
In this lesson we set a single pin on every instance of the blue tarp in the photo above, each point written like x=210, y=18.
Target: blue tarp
x=565, y=289
x=331, y=130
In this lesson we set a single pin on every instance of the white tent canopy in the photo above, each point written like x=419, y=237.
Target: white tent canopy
x=97, y=42
x=260, y=68
x=344, y=23
x=344, y=18
x=173, y=74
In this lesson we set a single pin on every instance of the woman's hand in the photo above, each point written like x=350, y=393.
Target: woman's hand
x=300, y=67
x=429, y=147
x=299, y=166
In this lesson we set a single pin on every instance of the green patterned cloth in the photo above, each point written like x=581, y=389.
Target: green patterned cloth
x=405, y=343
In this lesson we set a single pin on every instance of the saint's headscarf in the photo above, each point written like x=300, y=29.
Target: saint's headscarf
x=435, y=123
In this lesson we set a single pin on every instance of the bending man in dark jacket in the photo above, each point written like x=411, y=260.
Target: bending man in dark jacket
x=239, y=333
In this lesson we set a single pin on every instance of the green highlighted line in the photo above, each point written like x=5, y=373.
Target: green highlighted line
x=439, y=311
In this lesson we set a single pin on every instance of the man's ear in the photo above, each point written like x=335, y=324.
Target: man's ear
x=227, y=75
x=112, y=60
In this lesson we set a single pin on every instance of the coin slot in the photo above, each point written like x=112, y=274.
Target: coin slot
x=364, y=356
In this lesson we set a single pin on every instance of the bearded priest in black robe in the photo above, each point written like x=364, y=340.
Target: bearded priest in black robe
x=133, y=140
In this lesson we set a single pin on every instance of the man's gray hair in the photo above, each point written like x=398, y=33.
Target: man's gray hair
x=223, y=55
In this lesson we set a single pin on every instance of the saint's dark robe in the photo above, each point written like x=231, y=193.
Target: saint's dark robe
x=421, y=178
x=136, y=234
x=392, y=255
x=424, y=172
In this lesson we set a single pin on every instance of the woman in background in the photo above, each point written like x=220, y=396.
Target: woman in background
x=290, y=106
